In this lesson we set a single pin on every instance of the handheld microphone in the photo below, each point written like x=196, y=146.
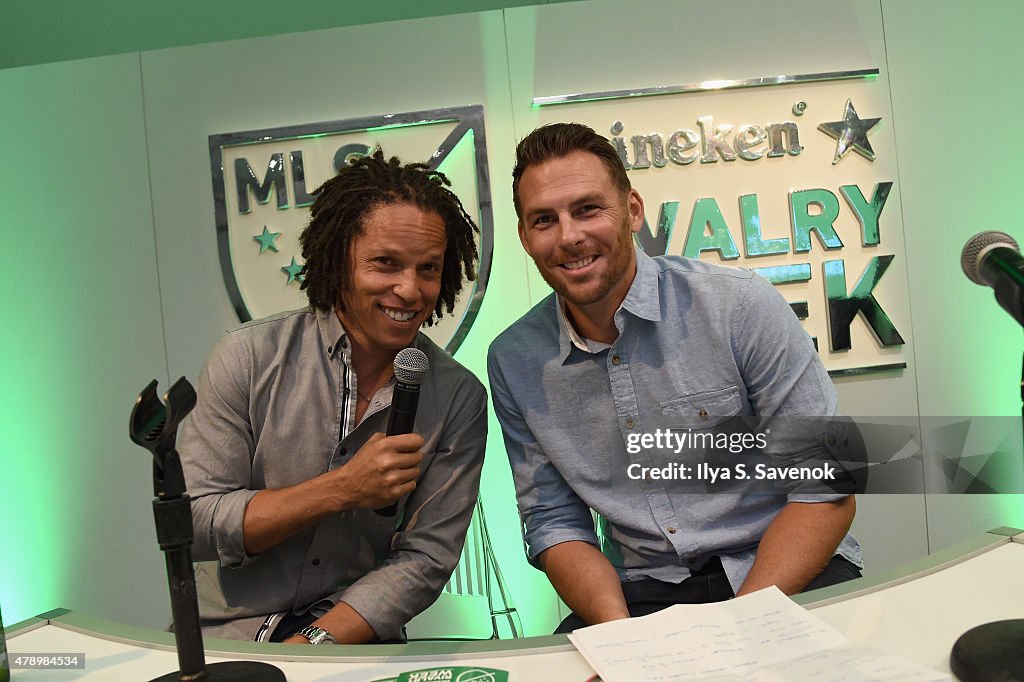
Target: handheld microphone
x=411, y=366
x=993, y=259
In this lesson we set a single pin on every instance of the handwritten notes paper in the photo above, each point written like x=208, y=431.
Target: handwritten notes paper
x=763, y=637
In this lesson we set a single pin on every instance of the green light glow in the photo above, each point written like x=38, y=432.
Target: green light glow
x=529, y=588
x=31, y=529
x=41, y=399
x=83, y=333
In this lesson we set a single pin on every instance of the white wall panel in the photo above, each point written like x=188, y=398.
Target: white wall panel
x=82, y=335
x=955, y=72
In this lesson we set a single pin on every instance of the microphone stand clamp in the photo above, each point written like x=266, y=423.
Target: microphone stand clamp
x=154, y=426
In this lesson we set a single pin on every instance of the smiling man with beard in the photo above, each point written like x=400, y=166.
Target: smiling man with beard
x=285, y=456
x=629, y=344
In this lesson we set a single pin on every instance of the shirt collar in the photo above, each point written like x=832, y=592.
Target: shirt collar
x=568, y=334
x=644, y=296
x=334, y=336
x=331, y=332
x=643, y=300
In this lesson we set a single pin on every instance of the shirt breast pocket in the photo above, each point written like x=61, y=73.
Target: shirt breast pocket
x=702, y=429
x=703, y=410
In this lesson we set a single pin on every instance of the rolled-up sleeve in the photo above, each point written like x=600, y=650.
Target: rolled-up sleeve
x=216, y=448
x=427, y=546
x=550, y=512
x=787, y=384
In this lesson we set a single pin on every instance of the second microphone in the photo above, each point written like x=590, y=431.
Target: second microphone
x=411, y=366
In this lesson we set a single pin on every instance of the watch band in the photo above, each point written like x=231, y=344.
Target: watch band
x=317, y=635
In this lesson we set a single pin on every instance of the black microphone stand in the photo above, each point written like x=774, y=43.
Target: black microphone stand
x=991, y=652
x=155, y=427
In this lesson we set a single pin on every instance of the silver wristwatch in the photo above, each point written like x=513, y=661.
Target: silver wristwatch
x=317, y=635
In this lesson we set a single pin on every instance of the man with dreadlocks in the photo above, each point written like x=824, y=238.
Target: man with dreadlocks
x=285, y=456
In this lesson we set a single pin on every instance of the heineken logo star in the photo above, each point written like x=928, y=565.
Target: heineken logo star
x=293, y=271
x=851, y=133
x=267, y=240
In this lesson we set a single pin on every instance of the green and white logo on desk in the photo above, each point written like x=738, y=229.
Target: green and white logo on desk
x=450, y=674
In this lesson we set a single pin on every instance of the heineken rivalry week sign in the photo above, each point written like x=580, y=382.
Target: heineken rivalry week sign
x=795, y=181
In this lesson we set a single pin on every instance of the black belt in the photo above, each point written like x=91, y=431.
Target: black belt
x=711, y=567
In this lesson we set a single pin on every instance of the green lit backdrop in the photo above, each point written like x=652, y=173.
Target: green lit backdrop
x=107, y=176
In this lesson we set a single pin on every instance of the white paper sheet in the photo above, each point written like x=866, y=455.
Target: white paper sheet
x=764, y=637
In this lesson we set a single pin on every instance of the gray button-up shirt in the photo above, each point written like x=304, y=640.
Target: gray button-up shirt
x=276, y=406
x=697, y=343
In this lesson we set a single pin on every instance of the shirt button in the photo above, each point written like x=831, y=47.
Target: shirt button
x=672, y=530
x=630, y=423
x=330, y=349
x=315, y=562
x=703, y=414
x=616, y=360
x=343, y=451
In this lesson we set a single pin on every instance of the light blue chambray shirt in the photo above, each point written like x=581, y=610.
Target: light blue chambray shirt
x=697, y=343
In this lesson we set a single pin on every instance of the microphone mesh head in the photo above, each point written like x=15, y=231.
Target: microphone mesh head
x=979, y=245
x=411, y=366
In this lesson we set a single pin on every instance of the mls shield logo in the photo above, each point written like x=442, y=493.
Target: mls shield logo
x=262, y=181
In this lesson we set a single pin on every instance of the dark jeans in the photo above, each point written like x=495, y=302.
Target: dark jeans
x=709, y=584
